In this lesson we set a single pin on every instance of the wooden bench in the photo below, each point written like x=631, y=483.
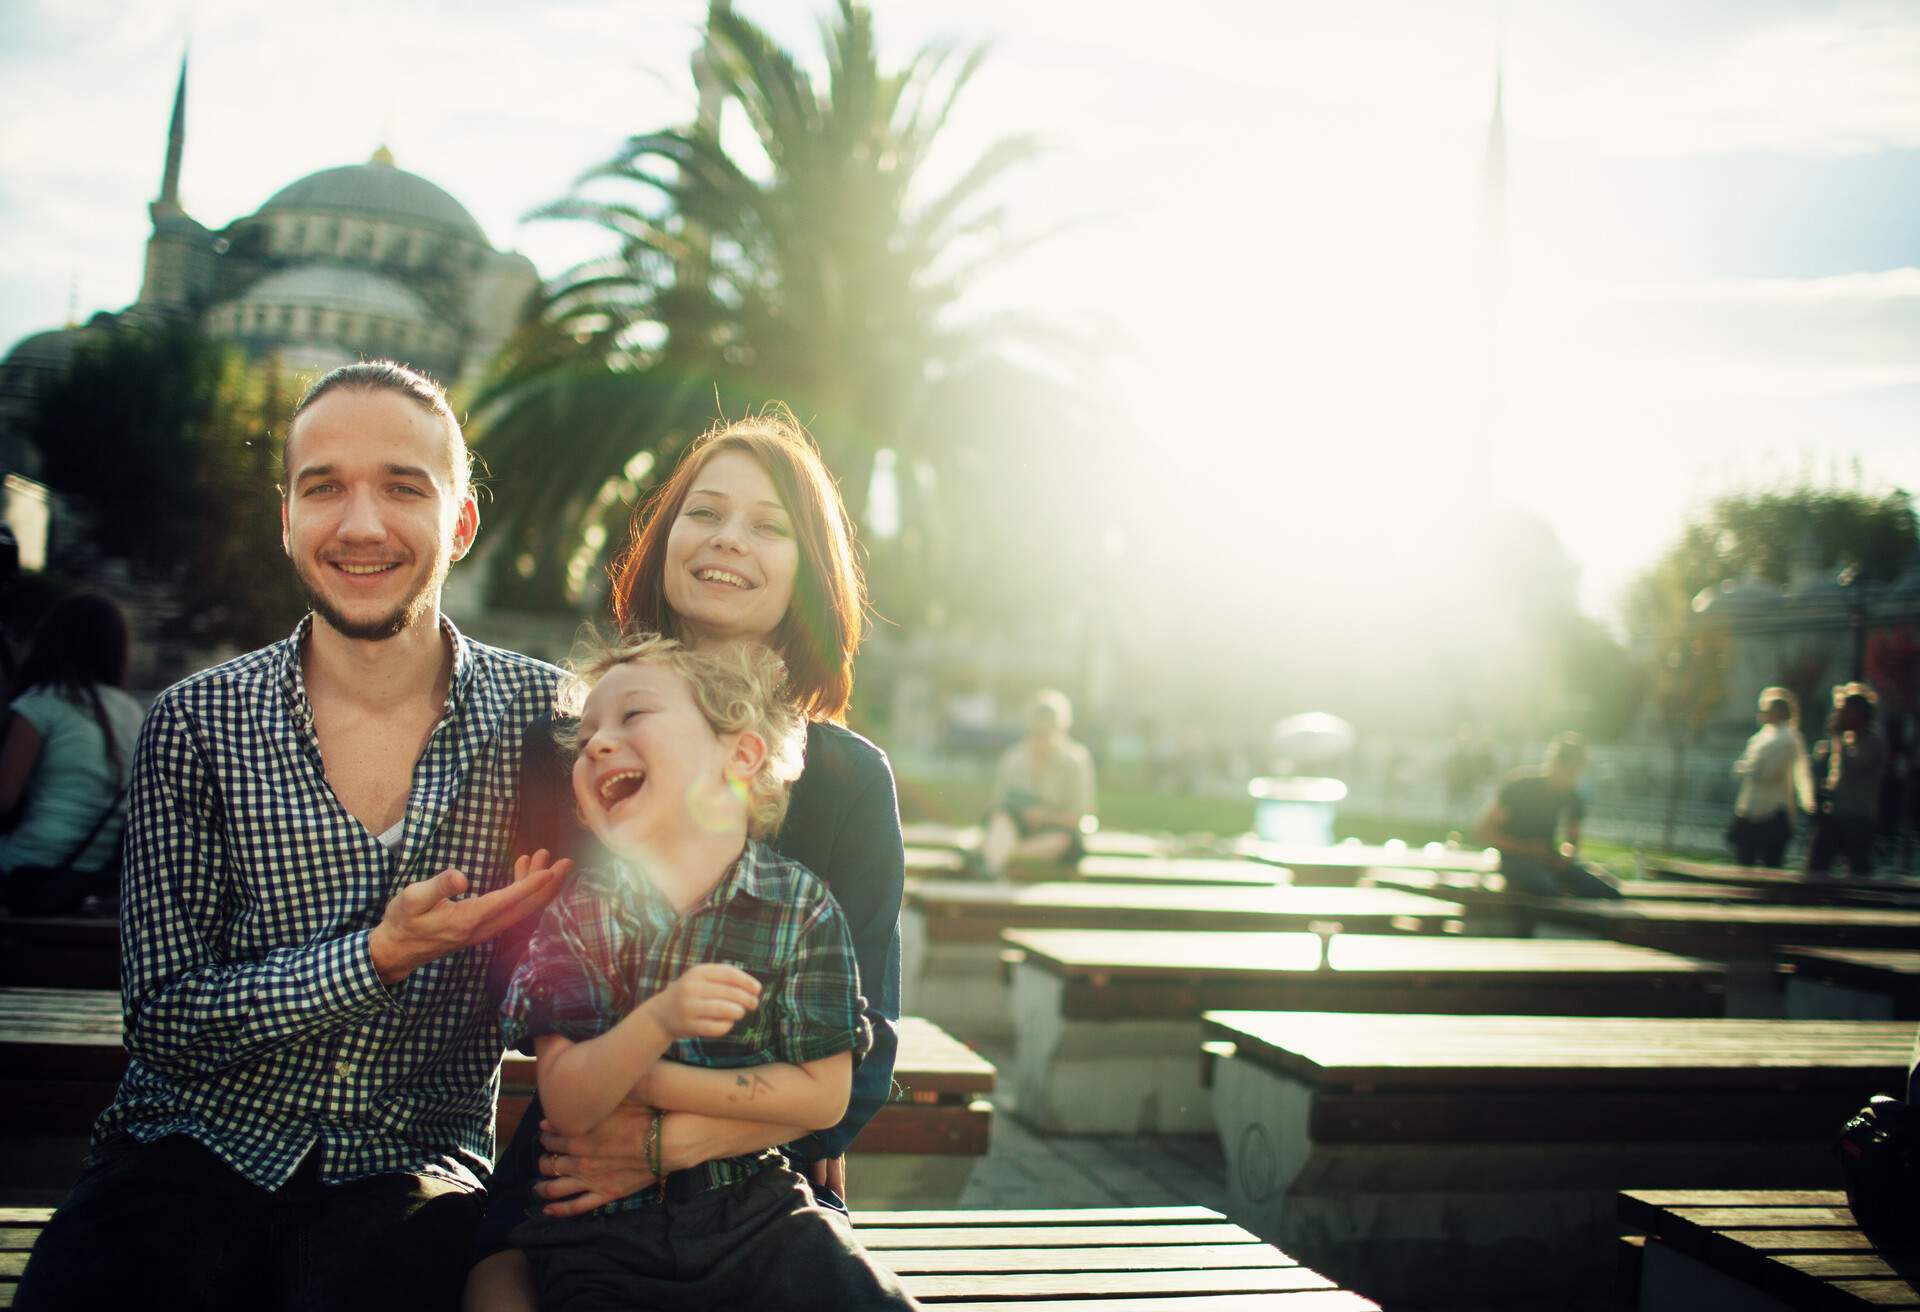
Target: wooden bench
x=1794, y=886
x=950, y=930
x=1482, y=1155
x=62, y=1060
x=1852, y=983
x=1226, y=872
x=1342, y=864
x=1746, y=937
x=1757, y=1251
x=59, y=952
x=1107, y=1022
x=1135, y=1259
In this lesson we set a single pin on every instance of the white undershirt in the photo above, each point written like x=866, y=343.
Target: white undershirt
x=391, y=839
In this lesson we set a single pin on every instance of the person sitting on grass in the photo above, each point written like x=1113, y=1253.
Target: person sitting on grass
x=703, y=972
x=1042, y=792
x=1527, y=818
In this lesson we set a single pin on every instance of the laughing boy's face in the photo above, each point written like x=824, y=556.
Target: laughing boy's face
x=648, y=760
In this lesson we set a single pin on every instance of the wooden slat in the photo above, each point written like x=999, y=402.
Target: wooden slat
x=1331, y=1049
x=989, y=1261
x=1115, y=953
x=975, y=911
x=1032, y=1216
x=1306, y=1300
x=941, y=1288
x=1050, y=1236
x=1362, y=856
x=1178, y=870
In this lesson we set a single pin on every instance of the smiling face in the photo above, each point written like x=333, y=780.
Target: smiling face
x=731, y=556
x=650, y=769
x=373, y=515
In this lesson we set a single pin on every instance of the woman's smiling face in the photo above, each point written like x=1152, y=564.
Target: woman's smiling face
x=732, y=557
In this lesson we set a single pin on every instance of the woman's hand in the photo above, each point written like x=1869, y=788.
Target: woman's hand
x=830, y=1173
x=607, y=1163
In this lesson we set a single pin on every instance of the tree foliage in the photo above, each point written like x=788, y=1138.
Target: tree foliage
x=819, y=266
x=161, y=438
x=1764, y=535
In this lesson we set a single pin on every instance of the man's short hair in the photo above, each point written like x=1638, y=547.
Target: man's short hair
x=1779, y=699
x=1568, y=750
x=387, y=376
x=739, y=687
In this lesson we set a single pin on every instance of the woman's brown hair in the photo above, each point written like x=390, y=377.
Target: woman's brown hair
x=822, y=628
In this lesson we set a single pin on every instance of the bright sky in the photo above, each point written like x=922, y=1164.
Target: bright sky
x=1712, y=256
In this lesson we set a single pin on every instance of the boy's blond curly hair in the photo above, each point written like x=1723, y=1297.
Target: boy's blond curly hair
x=739, y=688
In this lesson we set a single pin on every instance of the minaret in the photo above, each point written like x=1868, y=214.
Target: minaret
x=169, y=198
x=179, y=268
x=1493, y=200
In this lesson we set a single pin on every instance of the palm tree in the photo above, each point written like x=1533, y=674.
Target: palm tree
x=816, y=270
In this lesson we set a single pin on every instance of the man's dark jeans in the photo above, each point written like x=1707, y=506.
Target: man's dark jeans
x=1836, y=837
x=168, y=1224
x=1538, y=878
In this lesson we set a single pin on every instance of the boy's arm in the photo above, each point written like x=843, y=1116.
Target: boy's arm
x=582, y=1081
x=811, y=1094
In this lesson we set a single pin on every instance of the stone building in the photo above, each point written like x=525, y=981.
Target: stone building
x=354, y=261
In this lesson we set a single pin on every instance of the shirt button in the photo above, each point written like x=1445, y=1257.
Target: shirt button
x=343, y=1070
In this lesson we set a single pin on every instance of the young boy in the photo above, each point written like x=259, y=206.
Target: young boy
x=705, y=972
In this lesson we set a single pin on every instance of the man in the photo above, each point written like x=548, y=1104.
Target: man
x=1533, y=808
x=1854, y=757
x=317, y=851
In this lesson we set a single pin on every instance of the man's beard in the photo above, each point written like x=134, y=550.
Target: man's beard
x=392, y=625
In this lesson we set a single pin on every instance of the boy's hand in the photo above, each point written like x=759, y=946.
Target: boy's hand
x=422, y=923
x=705, y=1002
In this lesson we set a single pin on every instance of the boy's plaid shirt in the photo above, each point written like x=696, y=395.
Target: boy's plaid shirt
x=610, y=942
x=254, y=1019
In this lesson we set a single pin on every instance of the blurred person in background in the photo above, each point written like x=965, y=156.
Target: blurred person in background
x=1042, y=792
x=1775, y=780
x=1850, y=762
x=63, y=761
x=1534, y=821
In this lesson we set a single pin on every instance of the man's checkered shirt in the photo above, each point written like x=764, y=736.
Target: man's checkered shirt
x=254, y=1019
x=611, y=941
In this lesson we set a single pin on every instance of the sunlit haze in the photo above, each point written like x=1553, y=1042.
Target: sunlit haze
x=1280, y=228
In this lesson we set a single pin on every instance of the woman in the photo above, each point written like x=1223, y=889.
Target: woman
x=1774, y=781
x=1042, y=793
x=65, y=757
x=747, y=542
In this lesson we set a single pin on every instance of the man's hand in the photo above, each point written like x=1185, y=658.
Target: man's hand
x=423, y=922
x=705, y=1002
x=590, y=1170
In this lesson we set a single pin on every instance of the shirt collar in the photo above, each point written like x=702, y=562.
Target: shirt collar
x=750, y=875
x=293, y=679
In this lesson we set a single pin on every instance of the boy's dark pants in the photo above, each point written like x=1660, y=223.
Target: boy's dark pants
x=761, y=1243
x=168, y=1224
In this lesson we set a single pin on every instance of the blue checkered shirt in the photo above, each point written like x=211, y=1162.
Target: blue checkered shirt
x=611, y=941
x=254, y=1019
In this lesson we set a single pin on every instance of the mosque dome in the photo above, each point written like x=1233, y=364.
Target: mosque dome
x=377, y=189
x=339, y=287
x=48, y=350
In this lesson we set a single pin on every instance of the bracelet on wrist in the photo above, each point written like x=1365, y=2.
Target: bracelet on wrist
x=654, y=1162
